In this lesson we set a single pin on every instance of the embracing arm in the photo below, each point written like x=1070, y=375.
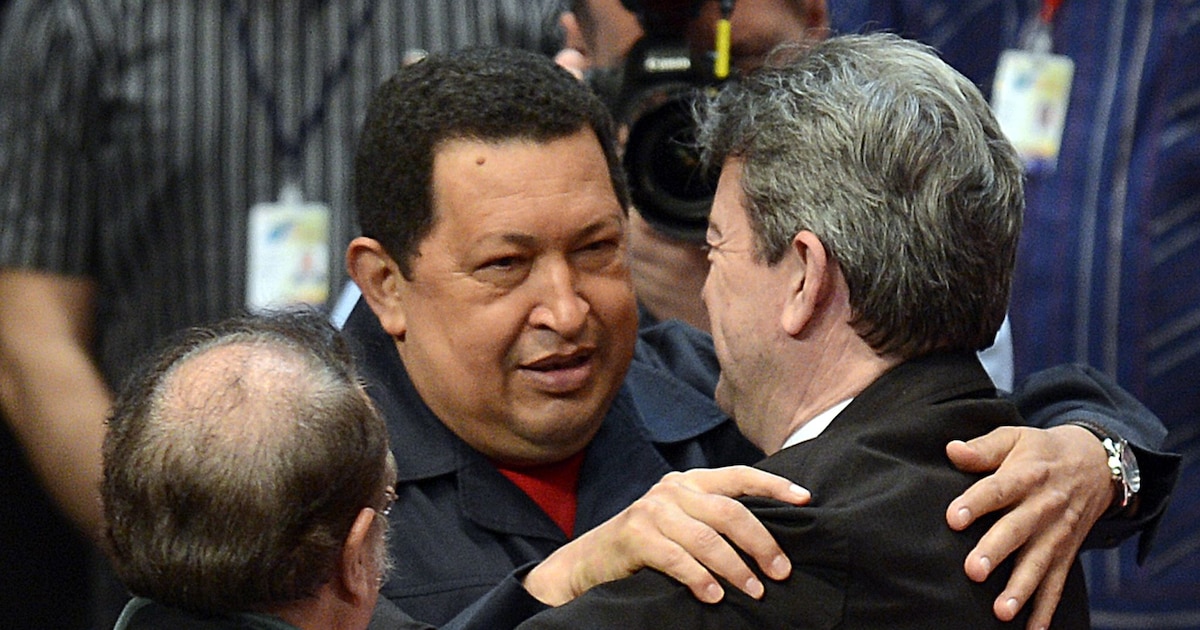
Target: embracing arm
x=1055, y=483
x=679, y=527
x=1071, y=394
x=52, y=394
x=686, y=526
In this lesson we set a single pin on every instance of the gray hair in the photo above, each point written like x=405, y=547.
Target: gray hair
x=894, y=160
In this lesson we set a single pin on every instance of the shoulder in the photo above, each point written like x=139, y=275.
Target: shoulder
x=671, y=381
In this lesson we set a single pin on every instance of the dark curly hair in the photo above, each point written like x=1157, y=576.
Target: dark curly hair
x=485, y=94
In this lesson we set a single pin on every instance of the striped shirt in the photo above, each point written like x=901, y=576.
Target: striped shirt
x=136, y=135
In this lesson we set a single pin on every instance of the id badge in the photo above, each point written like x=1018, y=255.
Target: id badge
x=288, y=252
x=1030, y=97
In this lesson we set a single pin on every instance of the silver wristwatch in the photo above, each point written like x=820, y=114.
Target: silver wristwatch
x=1122, y=465
x=1124, y=468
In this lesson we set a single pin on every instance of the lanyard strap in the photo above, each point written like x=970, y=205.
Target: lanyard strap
x=291, y=146
x=1049, y=8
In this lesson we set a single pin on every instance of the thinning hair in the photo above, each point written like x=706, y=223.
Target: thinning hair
x=894, y=160
x=236, y=462
x=484, y=94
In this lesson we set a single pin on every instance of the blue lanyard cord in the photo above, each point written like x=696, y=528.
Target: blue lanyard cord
x=291, y=147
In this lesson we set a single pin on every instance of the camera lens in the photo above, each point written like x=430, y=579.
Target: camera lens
x=669, y=186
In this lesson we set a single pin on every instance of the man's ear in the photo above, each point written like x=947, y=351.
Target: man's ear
x=378, y=277
x=572, y=32
x=808, y=282
x=816, y=19
x=357, y=570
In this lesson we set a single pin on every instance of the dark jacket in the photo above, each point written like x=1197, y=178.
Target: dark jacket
x=872, y=550
x=145, y=614
x=460, y=528
x=464, y=536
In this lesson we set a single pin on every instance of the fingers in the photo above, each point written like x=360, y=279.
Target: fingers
x=1054, y=487
x=1040, y=573
x=1027, y=575
x=676, y=560
x=687, y=562
x=984, y=453
x=695, y=510
x=688, y=526
x=738, y=481
x=617, y=548
x=1005, y=488
x=1048, y=596
x=572, y=60
x=1004, y=537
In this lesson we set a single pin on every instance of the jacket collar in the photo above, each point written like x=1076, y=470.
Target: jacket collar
x=923, y=381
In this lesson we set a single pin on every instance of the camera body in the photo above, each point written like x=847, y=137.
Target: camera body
x=654, y=96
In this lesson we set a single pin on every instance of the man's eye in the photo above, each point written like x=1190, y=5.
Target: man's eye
x=503, y=262
x=502, y=271
x=600, y=245
x=598, y=254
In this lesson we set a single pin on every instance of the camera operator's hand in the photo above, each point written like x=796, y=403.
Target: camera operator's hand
x=668, y=274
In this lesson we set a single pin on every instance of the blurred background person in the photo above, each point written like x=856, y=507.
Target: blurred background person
x=1108, y=272
x=158, y=160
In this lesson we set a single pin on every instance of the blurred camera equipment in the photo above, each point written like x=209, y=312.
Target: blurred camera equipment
x=653, y=95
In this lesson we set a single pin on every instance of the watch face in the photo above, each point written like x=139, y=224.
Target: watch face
x=1133, y=476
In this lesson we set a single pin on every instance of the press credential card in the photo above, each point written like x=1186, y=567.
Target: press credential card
x=1030, y=97
x=288, y=252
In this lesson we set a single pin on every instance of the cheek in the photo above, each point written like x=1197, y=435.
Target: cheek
x=610, y=298
x=716, y=293
x=480, y=336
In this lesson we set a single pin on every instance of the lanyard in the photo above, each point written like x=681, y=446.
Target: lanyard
x=291, y=146
x=1037, y=34
x=1049, y=8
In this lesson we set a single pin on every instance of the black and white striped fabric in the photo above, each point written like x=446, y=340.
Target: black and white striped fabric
x=136, y=135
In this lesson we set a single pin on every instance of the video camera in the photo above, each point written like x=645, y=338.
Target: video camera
x=654, y=94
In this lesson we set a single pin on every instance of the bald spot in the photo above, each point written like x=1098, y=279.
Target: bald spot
x=236, y=393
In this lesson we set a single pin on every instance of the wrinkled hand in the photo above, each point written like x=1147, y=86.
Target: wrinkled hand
x=1055, y=485
x=679, y=527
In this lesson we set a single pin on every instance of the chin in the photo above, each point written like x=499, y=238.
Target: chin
x=554, y=437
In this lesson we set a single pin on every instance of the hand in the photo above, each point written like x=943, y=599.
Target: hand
x=679, y=527
x=1055, y=484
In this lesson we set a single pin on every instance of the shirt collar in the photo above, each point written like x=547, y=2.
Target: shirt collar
x=818, y=424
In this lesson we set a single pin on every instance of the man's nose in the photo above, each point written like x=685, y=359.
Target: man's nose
x=560, y=306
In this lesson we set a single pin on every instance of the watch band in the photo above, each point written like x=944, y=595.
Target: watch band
x=1122, y=466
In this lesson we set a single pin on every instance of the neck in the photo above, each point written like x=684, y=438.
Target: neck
x=843, y=366
x=324, y=611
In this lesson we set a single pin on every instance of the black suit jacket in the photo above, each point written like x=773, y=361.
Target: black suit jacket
x=872, y=550
x=145, y=614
